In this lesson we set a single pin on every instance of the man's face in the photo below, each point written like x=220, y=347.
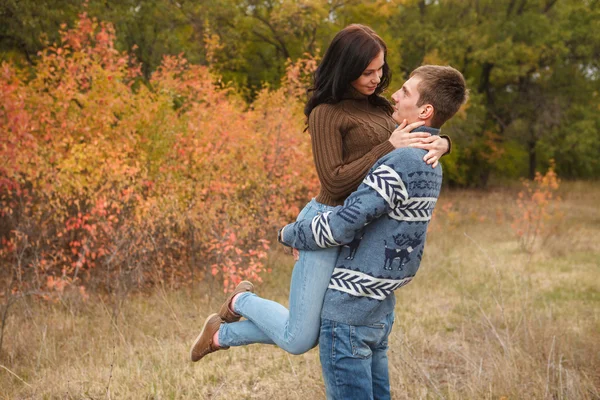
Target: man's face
x=406, y=100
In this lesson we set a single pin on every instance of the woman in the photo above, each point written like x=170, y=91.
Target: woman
x=351, y=127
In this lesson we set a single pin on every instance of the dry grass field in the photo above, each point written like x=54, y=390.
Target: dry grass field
x=484, y=319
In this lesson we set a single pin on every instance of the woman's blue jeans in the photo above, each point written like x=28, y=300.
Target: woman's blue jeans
x=295, y=330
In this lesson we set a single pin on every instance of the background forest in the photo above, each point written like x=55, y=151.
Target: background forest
x=532, y=65
x=150, y=150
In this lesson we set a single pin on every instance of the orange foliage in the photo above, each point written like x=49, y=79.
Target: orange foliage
x=299, y=75
x=537, y=216
x=109, y=183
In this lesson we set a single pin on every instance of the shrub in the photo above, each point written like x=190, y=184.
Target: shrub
x=537, y=213
x=114, y=184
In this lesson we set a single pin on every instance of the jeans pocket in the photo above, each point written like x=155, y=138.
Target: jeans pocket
x=363, y=338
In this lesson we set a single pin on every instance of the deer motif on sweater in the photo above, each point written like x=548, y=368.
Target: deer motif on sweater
x=406, y=246
x=353, y=245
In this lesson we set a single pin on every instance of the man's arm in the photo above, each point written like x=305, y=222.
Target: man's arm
x=381, y=191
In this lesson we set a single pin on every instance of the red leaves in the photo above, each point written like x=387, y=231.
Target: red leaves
x=102, y=183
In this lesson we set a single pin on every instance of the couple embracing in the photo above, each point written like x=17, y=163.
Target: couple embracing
x=363, y=236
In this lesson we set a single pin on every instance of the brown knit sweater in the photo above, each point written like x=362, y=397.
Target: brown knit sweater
x=347, y=138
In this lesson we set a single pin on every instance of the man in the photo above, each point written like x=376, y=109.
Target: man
x=382, y=227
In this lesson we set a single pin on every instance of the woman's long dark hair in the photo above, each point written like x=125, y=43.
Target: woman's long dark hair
x=349, y=54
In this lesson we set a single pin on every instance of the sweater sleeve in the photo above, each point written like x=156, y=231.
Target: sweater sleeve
x=326, y=125
x=380, y=192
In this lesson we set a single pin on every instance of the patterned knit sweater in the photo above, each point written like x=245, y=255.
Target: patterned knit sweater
x=382, y=228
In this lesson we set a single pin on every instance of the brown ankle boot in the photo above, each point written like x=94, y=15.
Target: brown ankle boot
x=203, y=344
x=225, y=312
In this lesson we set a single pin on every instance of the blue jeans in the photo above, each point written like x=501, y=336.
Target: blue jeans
x=354, y=359
x=295, y=330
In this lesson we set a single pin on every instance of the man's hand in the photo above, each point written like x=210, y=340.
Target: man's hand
x=436, y=146
x=296, y=254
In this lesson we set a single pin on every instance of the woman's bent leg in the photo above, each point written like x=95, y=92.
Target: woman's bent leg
x=296, y=330
x=242, y=333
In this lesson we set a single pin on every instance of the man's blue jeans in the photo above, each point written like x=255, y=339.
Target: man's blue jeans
x=295, y=330
x=354, y=359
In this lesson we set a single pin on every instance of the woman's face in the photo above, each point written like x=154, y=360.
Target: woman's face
x=367, y=82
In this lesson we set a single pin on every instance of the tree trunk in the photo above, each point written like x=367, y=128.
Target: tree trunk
x=484, y=177
x=532, y=159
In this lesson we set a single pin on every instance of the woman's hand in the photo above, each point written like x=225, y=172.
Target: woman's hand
x=402, y=137
x=296, y=254
x=436, y=146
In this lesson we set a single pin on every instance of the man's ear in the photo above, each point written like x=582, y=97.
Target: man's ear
x=426, y=112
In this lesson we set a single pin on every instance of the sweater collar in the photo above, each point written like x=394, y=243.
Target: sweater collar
x=352, y=93
x=428, y=129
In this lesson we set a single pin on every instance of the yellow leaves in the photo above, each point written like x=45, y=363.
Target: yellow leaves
x=213, y=46
x=149, y=178
x=433, y=57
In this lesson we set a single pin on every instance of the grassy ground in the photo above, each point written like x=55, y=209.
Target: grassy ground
x=482, y=320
